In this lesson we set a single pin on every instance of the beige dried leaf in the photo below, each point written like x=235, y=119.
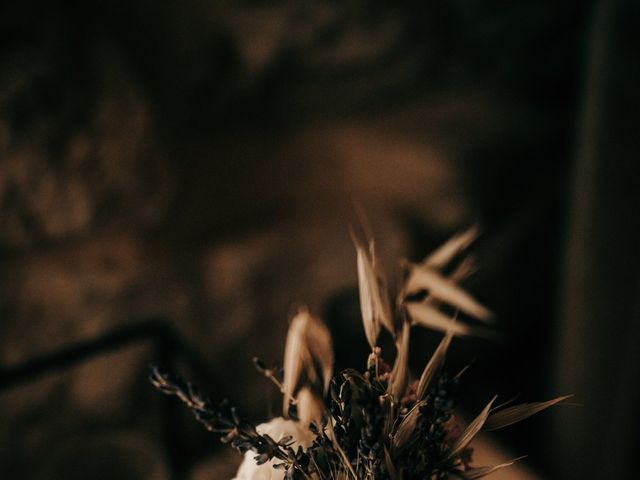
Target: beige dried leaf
x=390, y=416
x=400, y=372
x=296, y=356
x=465, y=269
x=434, y=364
x=374, y=299
x=308, y=347
x=427, y=316
x=310, y=406
x=391, y=469
x=517, y=413
x=407, y=427
x=472, y=430
x=481, y=472
x=445, y=290
x=447, y=251
x=384, y=303
x=367, y=287
x=320, y=345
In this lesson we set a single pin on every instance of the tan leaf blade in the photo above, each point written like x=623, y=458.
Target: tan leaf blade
x=480, y=472
x=465, y=269
x=517, y=413
x=400, y=373
x=384, y=304
x=446, y=252
x=407, y=427
x=427, y=316
x=445, y=290
x=310, y=406
x=391, y=469
x=296, y=356
x=472, y=430
x=434, y=364
x=308, y=347
x=320, y=346
x=366, y=286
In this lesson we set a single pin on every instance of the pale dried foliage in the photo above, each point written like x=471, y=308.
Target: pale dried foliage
x=405, y=432
x=310, y=406
x=472, y=430
x=450, y=249
x=446, y=291
x=308, y=357
x=308, y=350
x=400, y=373
x=428, y=277
x=427, y=316
x=434, y=365
x=481, y=472
x=374, y=298
x=510, y=415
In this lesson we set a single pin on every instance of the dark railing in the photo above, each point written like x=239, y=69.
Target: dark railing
x=169, y=347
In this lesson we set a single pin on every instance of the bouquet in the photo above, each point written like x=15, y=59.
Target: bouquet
x=380, y=423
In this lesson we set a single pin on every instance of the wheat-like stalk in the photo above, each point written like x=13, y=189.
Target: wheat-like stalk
x=377, y=424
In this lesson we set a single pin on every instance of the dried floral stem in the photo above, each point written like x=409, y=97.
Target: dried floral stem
x=379, y=424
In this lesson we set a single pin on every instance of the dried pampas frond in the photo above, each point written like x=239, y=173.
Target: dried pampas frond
x=379, y=424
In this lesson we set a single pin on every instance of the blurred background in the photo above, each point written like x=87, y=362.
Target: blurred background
x=176, y=177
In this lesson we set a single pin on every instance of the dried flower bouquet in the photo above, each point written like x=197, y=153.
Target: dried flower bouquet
x=376, y=424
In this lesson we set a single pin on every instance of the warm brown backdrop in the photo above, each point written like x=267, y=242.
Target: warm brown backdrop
x=199, y=162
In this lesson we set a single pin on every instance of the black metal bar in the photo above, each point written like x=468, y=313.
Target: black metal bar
x=158, y=330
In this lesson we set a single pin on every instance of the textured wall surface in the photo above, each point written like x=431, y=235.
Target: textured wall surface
x=200, y=162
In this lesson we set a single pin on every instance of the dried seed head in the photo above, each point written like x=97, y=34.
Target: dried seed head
x=374, y=298
x=400, y=373
x=310, y=406
x=308, y=350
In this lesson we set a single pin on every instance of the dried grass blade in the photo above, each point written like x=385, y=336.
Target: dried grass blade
x=367, y=288
x=384, y=304
x=480, y=472
x=427, y=316
x=320, y=345
x=310, y=406
x=374, y=278
x=390, y=416
x=447, y=251
x=296, y=356
x=443, y=289
x=434, y=364
x=400, y=373
x=308, y=346
x=346, y=463
x=465, y=269
x=391, y=469
x=517, y=413
x=472, y=430
x=407, y=427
